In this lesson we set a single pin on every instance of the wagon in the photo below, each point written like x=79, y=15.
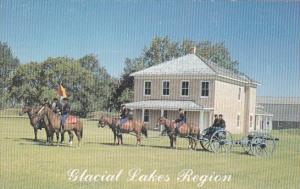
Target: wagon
x=219, y=140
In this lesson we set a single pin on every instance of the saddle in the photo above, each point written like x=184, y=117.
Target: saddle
x=71, y=119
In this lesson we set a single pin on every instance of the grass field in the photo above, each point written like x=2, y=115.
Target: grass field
x=28, y=164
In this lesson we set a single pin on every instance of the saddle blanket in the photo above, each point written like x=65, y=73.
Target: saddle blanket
x=71, y=120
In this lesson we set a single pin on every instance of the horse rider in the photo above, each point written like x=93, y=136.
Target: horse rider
x=46, y=102
x=123, y=116
x=181, y=120
x=56, y=106
x=65, y=112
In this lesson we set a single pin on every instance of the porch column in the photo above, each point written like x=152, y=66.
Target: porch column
x=210, y=115
x=271, y=123
x=143, y=113
x=201, y=120
x=161, y=115
x=266, y=123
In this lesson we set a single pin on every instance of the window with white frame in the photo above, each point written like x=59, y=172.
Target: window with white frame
x=184, y=88
x=146, y=116
x=238, y=120
x=166, y=88
x=239, y=95
x=205, y=89
x=251, y=120
x=147, y=88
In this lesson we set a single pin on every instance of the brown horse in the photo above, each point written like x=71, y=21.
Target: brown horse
x=190, y=131
x=55, y=125
x=111, y=122
x=35, y=120
x=130, y=126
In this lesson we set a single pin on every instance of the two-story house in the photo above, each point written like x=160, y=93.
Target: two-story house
x=200, y=87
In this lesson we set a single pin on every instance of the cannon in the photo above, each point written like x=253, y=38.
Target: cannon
x=218, y=140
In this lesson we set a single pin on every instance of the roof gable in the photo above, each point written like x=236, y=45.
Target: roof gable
x=191, y=64
x=186, y=65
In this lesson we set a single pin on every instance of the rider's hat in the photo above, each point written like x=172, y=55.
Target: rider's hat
x=55, y=98
x=221, y=115
x=65, y=98
x=179, y=109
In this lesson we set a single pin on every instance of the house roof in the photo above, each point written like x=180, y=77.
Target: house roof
x=165, y=105
x=277, y=100
x=261, y=111
x=283, y=108
x=192, y=65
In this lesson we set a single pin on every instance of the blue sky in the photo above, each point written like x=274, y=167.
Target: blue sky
x=264, y=36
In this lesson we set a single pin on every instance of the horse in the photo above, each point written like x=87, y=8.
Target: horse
x=111, y=122
x=129, y=126
x=35, y=120
x=55, y=125
x=190, y=131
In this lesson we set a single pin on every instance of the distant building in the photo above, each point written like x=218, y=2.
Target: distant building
x=201, y=88
x=285, y=110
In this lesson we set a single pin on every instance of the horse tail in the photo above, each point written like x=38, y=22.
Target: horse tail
x=144, y=131
x=81, y=133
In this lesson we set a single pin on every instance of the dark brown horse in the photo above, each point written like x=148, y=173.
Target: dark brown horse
x=55, y=125
x=190, y=131
x=35, y=120
x=130, y=126
x=111, y=122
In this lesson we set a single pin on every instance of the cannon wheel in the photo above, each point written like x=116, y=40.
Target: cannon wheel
x=263, y=145
x=246, y=146
x=221, y=141
x=246, y=142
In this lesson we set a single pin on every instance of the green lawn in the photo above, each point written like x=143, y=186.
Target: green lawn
x=28, y=164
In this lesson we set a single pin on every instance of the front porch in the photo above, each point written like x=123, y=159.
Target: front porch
x=263, y=120
x=151, y=110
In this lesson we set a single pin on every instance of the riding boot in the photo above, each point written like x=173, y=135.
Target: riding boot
x=118, y=130
x=62, y=128
x=176, y=131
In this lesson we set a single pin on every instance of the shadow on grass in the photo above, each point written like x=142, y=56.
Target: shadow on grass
x=110, y=144
x=242, y=153
x=39, y=142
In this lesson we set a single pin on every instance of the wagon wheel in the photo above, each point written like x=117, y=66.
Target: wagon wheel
x=221, y=142
x=205, y=140
x=205, y=144
x=263, y=145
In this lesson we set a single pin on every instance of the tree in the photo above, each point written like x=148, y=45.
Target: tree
x=8, y=64
x=25, y=84
x=89, y=62
x=88, y=87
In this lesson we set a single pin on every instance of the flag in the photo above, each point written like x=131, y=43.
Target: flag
x=61, y=91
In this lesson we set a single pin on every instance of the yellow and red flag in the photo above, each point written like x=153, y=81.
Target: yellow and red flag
x=61, y=91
